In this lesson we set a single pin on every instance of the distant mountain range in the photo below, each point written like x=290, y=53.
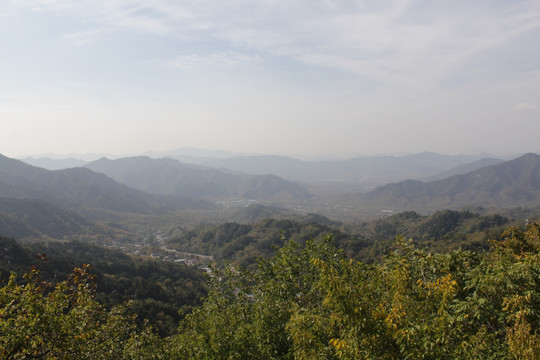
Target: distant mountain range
x=54, y=164
x=36, y=202
x=78, y=189
x=32, y=198
x=508, y=184
x=370, y=171
x=364, y=172
x=171, y=177
x=194, y=153
x=465, y=168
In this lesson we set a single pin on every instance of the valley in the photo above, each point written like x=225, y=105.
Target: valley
x=123, y=203
x=269, y=180
x=153, y=229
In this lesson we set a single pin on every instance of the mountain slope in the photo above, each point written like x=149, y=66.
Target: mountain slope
x=465, y=168
x=170, y=177
x=369, y=171
x=21, y=218
x=54, y=164
x=511, y=183
x=77, y=189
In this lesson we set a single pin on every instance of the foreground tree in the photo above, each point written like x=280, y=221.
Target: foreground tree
x=417, y=305
x=311, y=303
x=247, y=313
x=306, y=302
x=39, y=320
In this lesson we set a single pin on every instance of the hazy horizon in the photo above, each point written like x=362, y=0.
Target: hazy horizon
x=295, y=78
x=224, y=154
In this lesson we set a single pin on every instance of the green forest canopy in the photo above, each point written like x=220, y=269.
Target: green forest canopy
x=306, y=302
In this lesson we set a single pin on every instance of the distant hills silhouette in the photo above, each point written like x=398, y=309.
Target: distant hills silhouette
x=508, y=184
x=369, y=170
x=35, y=201
x=171, y=177
x=78, y=189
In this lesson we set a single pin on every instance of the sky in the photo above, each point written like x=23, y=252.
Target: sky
x=269, y=76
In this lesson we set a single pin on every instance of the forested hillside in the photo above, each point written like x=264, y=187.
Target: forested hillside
x=244, y=243
x=442, y=231
x=22, y=218
x=306, y=302
x=160, y=291
x=293, y=285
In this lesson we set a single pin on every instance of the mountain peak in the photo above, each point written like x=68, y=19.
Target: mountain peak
x=510, y=183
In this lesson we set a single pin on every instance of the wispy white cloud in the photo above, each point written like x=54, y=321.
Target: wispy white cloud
x=397, y=41
x=83, y=37
x=134, y=15
x=524, y=107
x=429, y=50
x=215, y=59
x=394, y=65
x=43, y=5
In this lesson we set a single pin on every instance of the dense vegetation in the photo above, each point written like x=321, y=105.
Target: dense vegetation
x=440, y=232
x=312, y=302
x=306, y=302
x=244, y=243
x=161, y=291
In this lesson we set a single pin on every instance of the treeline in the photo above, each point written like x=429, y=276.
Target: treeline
x=307, y=301
x=160, y=291
x=242, y=244
x=439, y=232
x=312, y=302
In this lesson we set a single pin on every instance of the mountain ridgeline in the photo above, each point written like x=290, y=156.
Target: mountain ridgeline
x=369, y=171
x=78, y=189
x=66, y=202
x=243, y=244
x=508, y=184
x=448, y=271
x=170, y=177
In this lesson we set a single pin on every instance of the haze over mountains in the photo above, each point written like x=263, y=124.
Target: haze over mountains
x=35, y=201
x=57, y=203
x=170, y=177
x=23, y=218
x=364, y=172
x=422, y=182
x=77, y=189
x=508, y=184
x=54, y=164
x=465, y=168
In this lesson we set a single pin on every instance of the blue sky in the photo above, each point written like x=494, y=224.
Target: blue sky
x=269, y=76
